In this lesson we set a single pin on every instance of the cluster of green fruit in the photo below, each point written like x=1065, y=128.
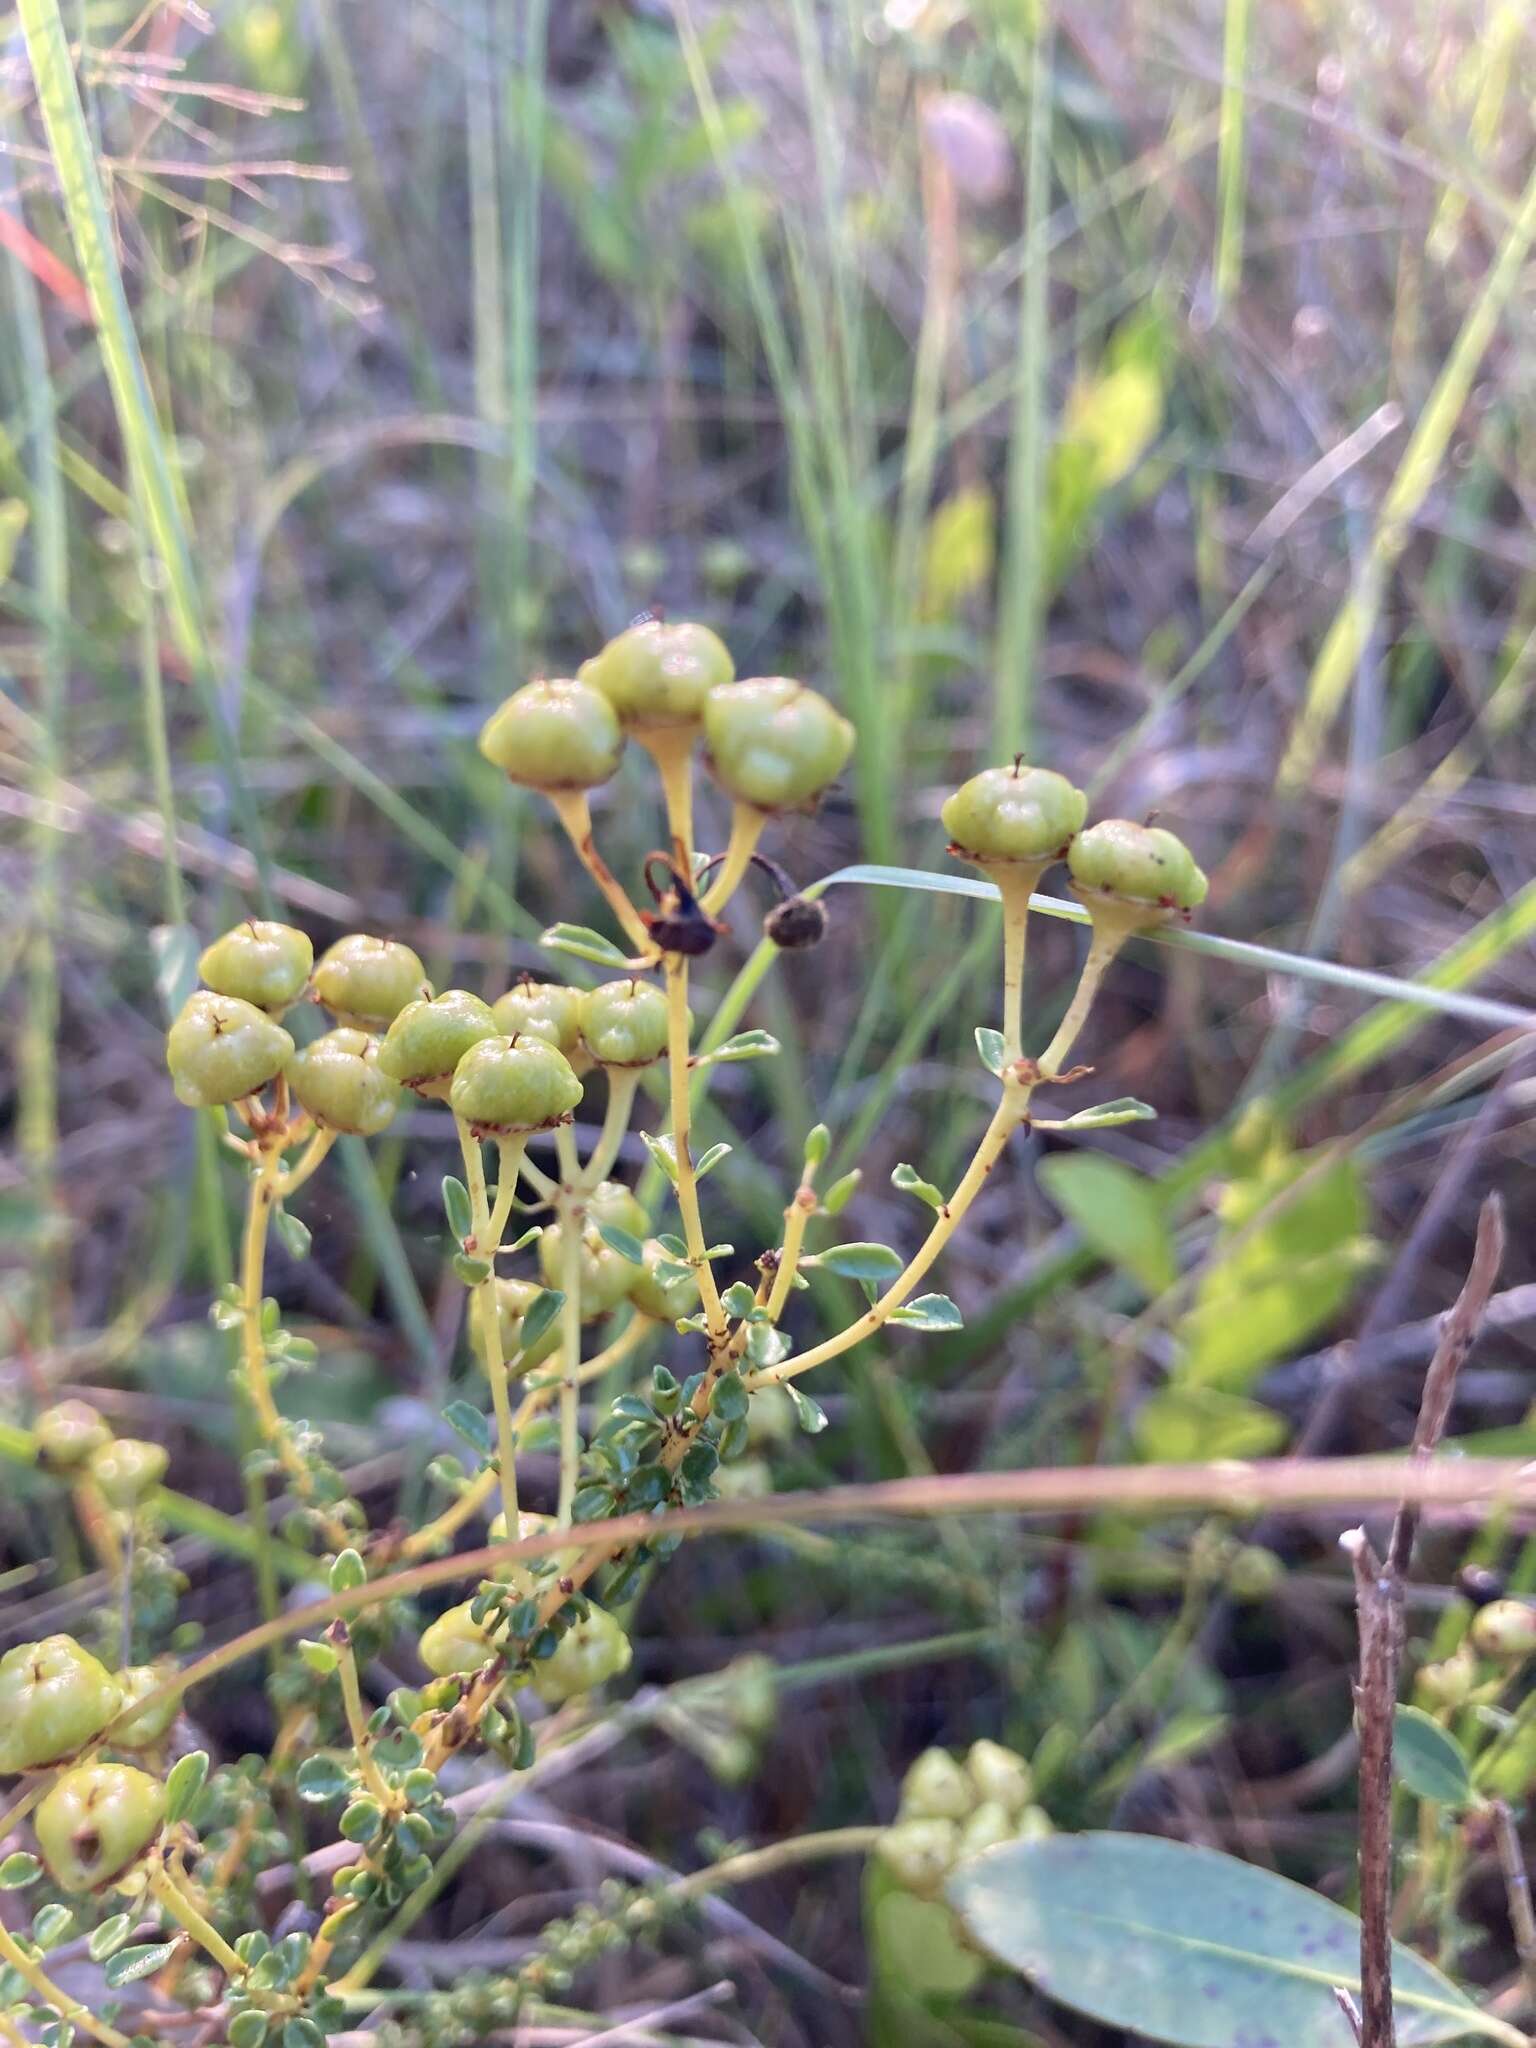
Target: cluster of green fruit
x=951, y=1810
x=770, y=742
x=98, y=1817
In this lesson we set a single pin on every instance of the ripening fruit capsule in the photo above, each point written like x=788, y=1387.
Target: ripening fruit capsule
x=54, y=1699
x=591, y=1651
x=936, y=1788
x=624, y=1023
x=96, y=1821
x=773, y=743
x=1014, y=814
x=262, y=963
x=68, y=1432
x=337, y=1078
x=135, y=1728
x=128, y=1468
x=1450, y=1683
x=514, y=1298
x=1139, y=864
x=1505, y=1629
x=429, y=1038
x=555, y=734
x=366, y=982
x=657, y=674
x=507, y=1086
x=606, y=1279
x=919, y=1853
x=542, y=1009
x=222, y=1048
x=455, y=1643
x=664, y=1299
x=990, y=1824
x=999, y=1775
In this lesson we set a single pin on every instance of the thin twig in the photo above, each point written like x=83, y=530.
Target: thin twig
x=1517, y=1890
x=1348, y=2007
x=1379, y=1605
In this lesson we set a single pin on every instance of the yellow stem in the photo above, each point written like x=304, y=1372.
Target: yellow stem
x=622, y=1083
x=509, y=1159
x=570, y=1359
x=671, y=748
x=181, y=1908
x=571, y=808
x=796, y=1217
x=747, y=824
x=489, y=1318
x=37, y=1980
x=308, y=1162
x=545, y=1188
x=1102, y=948
x=357, y=1724
x=1016, y=883
x=687, y=1184
x=1006, y=1118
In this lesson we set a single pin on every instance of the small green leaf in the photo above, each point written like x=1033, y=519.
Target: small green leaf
x=1430, y=1760
x=18, y=1871
x=662, y=1151
x=992, y=1046
x=456, y=1206
x=473, y=1272
x=1120, y=1212
x=109, y=1937
x=348, y=1572
x=860, y=1261
x=50, y=1924
x=811, y=1416
x=746, y=1045
x=584, y=943
x=542, y=1312
x=187, y=1777
x=929, y=1312
x=319, y=1657
x=295, y=1236
x=622, y=1241
x=841, y=1192
x=130, y=1964
x=738, y=1299
x=1125, y=1109
x=321, y=1778
x=709, y=1160
x=911, y=1182
x=730, y=1398
x=817, y=1145
x=468, y=1422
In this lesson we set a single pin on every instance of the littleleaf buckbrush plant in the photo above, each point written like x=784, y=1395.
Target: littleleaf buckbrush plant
x=547, y=1239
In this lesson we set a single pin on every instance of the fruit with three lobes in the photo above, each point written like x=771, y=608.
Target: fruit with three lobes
x=658, y=674
x=337, y=1078
x=135, y=1726
x=555, y=734
x=990, y=1824
x=69, y=1431
x=773, y=743
x=1018, y=813
x=127, y=1468
x=98, y=1819
x=606, y=1276
x=919, y=1853
x=1001, y=1777
x=54, y=1699
x=1140, y=864
x=514, y=1298
x=222, y=1048
x=429, y=1038
x=542, y=1009
x=1505, y=1629
x=456, y=1643
x=624, y=1023
x=366, y=982
x=936, y=1788
x=509, y=1086
x=262, y=963
x=591, y=1650
x=664, y=1299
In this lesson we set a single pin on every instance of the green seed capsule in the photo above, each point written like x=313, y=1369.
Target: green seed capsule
x=543, y=1009
x=221, y=1049
x=429, y=1038
x=514, y=1298
x=1451, y=1683
x=1505, y=1629
x=666, y=1300
x=338, y=1080
x=999, y=1775
x=1140, y=864
x=513, y=1085
x=137, y=1729
x=128, y=1468
x=773, y=742
x=936, y=1788
x=262, y=963
x=657, y=674
x=624, y=1023
x=920, y=1853
x=1014, y=814
x=366, y=982
x=96, y=1821
x=990, y=1824
x=54, y=1699
x=69, y=1431
x=555, y=734
x=591, y=1651
x=607, y=1277
x=455, y=1643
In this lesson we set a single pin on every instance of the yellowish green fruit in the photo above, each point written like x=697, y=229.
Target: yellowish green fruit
x=1505, y=1629
x=606, y=1276
x=366, y=982
x=990, y=1824
x=262, y=963
x=135, y=1727
x=936, y=1788
x=69, y=1431
x=657, y=673
x=96, y=1821
x=510, y=1086
x=920, y=1853
x=773, y=743
x=590, y=1652
x=542, y=1009
x=338, y=1079
x=221, y=1049
x=55, y=1697
x=429, y=1038
x=127, y=1469
x=999, y=1775
x=455, y=1643
x=1139, y=864
x=556, y=734
x=665, y=1299
x=514, y=1298
x=1014, y=814
x=624, y=1023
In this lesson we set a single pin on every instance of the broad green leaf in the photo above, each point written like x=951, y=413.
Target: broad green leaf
x=1120, y=1212
x=860, y=1261
x=1183, y=1425
x=1187, y=1945
x=1429, y=1760
x=929, y=1312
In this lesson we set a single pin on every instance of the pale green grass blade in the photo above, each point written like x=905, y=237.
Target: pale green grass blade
x=1231, y=157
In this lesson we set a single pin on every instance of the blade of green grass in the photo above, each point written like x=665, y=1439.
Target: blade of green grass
x=1231, y=164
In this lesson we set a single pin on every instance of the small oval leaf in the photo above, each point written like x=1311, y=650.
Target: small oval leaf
x=1429, y=1759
